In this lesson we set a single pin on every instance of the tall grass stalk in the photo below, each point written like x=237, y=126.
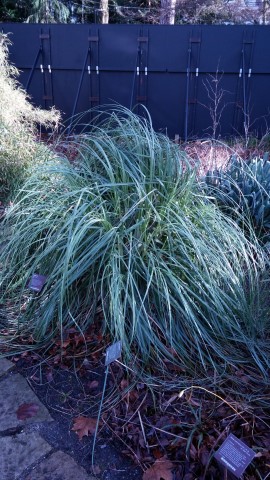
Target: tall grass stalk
x=127, y=226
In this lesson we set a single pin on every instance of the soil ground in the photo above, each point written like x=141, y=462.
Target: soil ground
x=187, y=432
x=65, y=396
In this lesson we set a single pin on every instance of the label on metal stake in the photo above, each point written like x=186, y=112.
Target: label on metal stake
x=234, y=455
x=37, y=282
x=113, y=352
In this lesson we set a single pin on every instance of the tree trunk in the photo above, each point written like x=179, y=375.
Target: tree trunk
x=167, y=12
x=104, y=10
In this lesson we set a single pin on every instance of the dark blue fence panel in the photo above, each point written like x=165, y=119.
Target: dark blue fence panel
x=180, y=73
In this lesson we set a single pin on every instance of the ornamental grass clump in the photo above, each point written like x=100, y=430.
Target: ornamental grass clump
x=126, y=227
x=19, y=149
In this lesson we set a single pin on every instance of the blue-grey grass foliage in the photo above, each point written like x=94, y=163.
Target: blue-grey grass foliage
x=127, y=227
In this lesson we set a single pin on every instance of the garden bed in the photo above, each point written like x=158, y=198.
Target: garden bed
x=144, y=423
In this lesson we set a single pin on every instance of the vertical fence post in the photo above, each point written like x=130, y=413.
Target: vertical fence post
x=79, y=88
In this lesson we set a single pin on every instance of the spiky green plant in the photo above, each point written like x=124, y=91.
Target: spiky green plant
x=243, y=187
x=18, y=122
x=128, y=227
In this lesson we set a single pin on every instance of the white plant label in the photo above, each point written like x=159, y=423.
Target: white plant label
x=113, y=352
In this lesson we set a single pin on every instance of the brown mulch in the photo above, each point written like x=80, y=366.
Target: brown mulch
x=211, y=155
x=153, y=425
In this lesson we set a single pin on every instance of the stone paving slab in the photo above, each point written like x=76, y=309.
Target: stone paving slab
x=19, y=452
x=5, y=366
x=59, y=466
x=14, y=391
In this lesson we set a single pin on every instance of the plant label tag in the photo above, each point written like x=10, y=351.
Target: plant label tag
x=113, y=352
x=37, y=282
x=234, y=455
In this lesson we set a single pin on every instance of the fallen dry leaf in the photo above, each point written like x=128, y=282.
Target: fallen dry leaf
x=49, y=376
x=171, y=400
x=96, y=470
x=27, y=410
x=83, y=426
x=160, y=470
x=92, y=385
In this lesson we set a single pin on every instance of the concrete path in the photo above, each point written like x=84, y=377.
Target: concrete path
x=24, y=454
